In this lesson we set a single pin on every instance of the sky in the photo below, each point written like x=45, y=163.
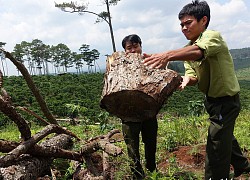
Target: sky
x=155, y=21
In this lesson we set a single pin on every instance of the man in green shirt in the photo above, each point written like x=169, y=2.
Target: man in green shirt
x=209, y=64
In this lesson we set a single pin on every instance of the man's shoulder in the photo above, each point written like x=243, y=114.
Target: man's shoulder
x=212, y=33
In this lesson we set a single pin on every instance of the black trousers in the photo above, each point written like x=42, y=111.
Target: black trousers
x=131, y=132
x=222, y=147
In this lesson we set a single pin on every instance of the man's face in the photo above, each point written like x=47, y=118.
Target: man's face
x=133, y=48
x=191, y=28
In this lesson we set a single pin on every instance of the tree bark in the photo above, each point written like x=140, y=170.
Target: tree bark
x=135, y=92
x=28, y=167
x=40, y=151
x=29, y=160
x=8, y=159
x=98, y=170
x=10, y=111
x=22, y=157
x=32, y=87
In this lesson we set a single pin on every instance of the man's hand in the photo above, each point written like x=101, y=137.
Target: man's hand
x=158, y=61
x=187, y=81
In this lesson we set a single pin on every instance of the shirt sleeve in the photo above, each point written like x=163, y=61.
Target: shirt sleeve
x=210, y=42
x=189, y=71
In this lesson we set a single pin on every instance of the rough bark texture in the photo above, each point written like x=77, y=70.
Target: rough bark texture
x=98, y=166
x=28, y=167
x=7, y=159
x=9, y=110
x=134, y=92
x=23, y=158
x=7, y=146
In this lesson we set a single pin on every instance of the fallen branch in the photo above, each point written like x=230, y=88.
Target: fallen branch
x=28, y=167
x=38, y=150
x=33, y=114
x=106, y=137
x=25, y=146
x=32, y=86
x=11, y=112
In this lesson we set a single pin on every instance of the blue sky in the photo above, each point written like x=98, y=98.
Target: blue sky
x=154, y=20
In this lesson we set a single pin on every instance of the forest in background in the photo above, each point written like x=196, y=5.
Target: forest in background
x=78, y=96
x=43, y=59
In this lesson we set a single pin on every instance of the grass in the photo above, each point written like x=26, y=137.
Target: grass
x=173, y=132
x=10, y=132
x=241, y=130
x=243, y=74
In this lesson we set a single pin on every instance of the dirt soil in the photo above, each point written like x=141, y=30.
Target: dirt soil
x=190, y=159
x=186, y=158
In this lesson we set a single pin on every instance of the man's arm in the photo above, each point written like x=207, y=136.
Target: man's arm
x=160, y=60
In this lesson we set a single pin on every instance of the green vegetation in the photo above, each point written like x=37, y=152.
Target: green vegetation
x=80, y=90
x=182, y=120
x=241, y=60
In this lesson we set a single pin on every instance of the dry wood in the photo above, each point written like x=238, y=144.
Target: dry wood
x=26, y=145
x=91, y=166
x=28, y=167
x=10, y=111
x=32, y=86
x=135, y=92
x=105, y=165
x=38, y=150
x=7, y=146
x=103, y=143
x=53, y=151
x=33, y=114
x=107, y=136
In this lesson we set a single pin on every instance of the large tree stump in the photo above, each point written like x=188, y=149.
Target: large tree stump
x=133, y=91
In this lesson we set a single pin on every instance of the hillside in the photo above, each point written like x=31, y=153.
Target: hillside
x=241, y=59
x=85, y=91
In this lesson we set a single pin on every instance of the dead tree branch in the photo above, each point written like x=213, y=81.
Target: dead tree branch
x=32, y=86
x=11, y=112
x=28, y=159
x=28, y=167
x=33, y=114
x=26, y=145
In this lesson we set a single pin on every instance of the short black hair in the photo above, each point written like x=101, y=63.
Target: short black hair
x=133, y=38
x=198, y=9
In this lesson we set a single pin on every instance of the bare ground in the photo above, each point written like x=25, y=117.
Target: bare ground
x=191, y=160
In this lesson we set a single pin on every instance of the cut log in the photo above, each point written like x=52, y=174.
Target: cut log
x=7, y=159
x=133, y=91
x=28, y=167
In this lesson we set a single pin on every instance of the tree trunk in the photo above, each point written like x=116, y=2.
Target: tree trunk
x=28, y=167
x=9, y=110
x=32, y=87
x=134, y=92
x=28, y=160
x=23, y=148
